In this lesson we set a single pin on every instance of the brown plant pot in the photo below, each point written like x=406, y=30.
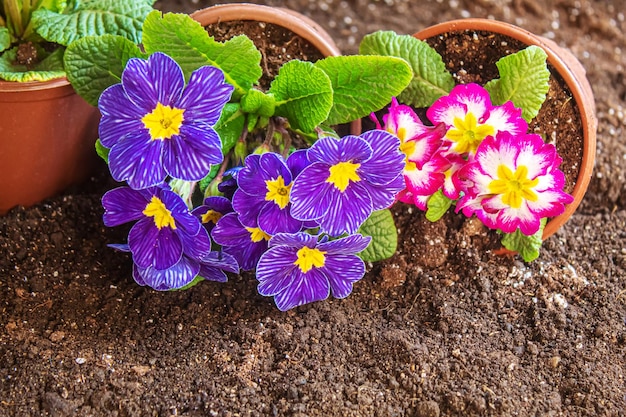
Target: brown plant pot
x=572, y=72
x=47, y=137
x=291, y=20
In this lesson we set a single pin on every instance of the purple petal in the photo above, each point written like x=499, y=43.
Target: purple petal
x=177, y=276
x=189, y=156
x=383, y=196
x=156, y=80
x=387, y=162
x=273, y=219
x=150, y=246
x=297, y=161
x=205, y=96
x=137, y=160
x=333, y=151
x=303, y=289
x=119, y=116
x=123, y=205
x=275, y=270
x=347, y=211
x=348, y=245
x=296, y=239
x=250, y=177
x=342, y=271
x=310, y=193
x=247, y=207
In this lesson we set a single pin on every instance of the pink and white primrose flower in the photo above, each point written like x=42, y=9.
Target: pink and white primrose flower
x=513, y=182
x=470, y=117
x=424, y=167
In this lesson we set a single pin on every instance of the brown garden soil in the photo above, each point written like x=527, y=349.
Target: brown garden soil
x=440, y=329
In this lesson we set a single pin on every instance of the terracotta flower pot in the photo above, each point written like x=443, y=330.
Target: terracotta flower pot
x=291, y=20
x=572, y=72
x=47, y=137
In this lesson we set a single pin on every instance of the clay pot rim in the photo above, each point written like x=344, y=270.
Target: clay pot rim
x=15, y=86
x=289, y=19
x=573, y=74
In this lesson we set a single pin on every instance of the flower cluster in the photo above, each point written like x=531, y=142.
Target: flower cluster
x=295, y=219
x=204, y=202
x=480, y=156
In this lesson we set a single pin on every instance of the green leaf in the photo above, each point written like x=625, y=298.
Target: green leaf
x=437, y=206
x=431, y=79
x=363, y=84
x=257, y=102
x=381, y=227
x=5, y=38
x=48, y=69
x=97, y=62
x=189, y=44
x=90, y=18
x=230, y=125
x=524, y=80
x=303, y=93
x=198, y=279
x=527, y=246
x=102, y=151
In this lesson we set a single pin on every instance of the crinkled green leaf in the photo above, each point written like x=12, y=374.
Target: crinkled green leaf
x=431, y=79
x=381, y=227
x=48, y=69
x=257, y=102
x=189, y=44
x=527, y=246
x=524, y=80
x=363, y=84
x=437, y=206
x=97, y=62
x=5, y=38
x=303, y=93
x=92, y=17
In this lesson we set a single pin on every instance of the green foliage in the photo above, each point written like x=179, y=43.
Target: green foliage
x=97, y=62
x=49, y=68
x=363, y=84
x=527, y=246
x=523, y=80
x=381, y=227
x=431, y=79
x=189, y=44
x=303, y=93
x=91, y=18
x=102, y=151
x=62, y=23
x=437, y=206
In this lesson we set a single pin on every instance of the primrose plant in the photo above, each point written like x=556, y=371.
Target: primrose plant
x=475, y=151
x=221, y=176
x=35, y=33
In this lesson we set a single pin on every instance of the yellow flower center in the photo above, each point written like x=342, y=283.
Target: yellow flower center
x=408, y=148
x=257, y=235
x=164, y=121
x=162, y=216
x=342, y=173
x=309, y=258
x=514, y=186
x=278, y=192
x=211, y=216
x=468, y=134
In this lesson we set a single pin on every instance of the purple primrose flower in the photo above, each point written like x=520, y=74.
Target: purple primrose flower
x=347, y=180
x=156, y=126
x=298, y=269
x=246, y=244
x=262, y=199
x=165, y=229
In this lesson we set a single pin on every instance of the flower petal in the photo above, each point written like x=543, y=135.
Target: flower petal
x=123, y=205
x=150, y=246
x=205, y=96
x=137, y=159
x=189, y=156
x=120, y=116
x=156, y=80
x=303, y=289
x=310, y=193
x=347, y=211
x=342, y=271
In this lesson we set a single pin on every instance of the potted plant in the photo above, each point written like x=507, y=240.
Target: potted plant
x=487, y=70
x=47, y=130
x=212, y=160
